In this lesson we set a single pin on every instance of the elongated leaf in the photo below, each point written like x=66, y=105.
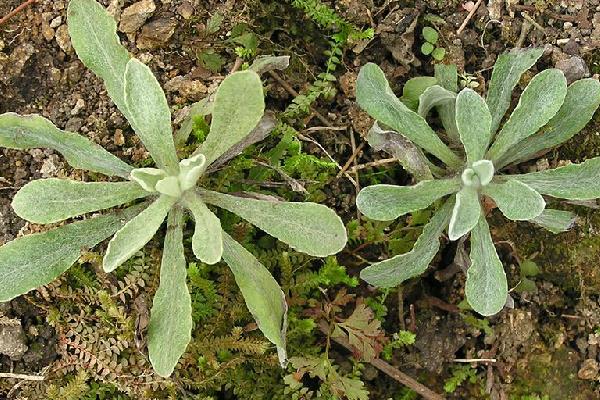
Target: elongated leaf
x=149, y=114
x=263, y=64
x=262, y=293
x=465, y=214
x=540, y=101
x=136, y=233
x=447, y=76
x=581, y=102
x=35, y=260
x=506, y=74
x=556, y=221
x=307, y=227
x=434, y=96
x=202, y=108
x=388, y=202
x=94, y=37
x=572, y=182
x=207, y=242
x=51, y=200
x=410, y=156
x=239, y=105
x=375, y=96
x=473, y=121
x=170, y=326
x=486, y=288
x=516, y=200
x=30, y=131
x=392, y=272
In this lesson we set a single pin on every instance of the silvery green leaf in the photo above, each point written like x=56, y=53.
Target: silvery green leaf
x=434, y=96
x=136, y=233
x=473, y=121
x=190, y=170
x=149, y=114
x=264, y=64
x=392, y=272
x=397, y=145
x=307, y=227
x=202, y=108
x=35, y=260
x=556, y=221
x=46, y=201
x=262, y=293
x=147, y=178
x=540, y=101
x=94, y=37
x=581, y=102
x=506, y=74
x=25, y=132
x=207, y=242
x=446, y=76
x=465, y=214
x=170, y=326
x=516, y=200
x=486, y=288
x=239, y=105
x=375, y=96
x=265, y=126
x=388, y=202
x=484, y=170
x=169, y=186
x=571, y=182
x=414, y=88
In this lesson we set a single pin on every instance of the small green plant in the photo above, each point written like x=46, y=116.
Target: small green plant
x=169, y=190
x=430, y=47
x=548, y=114
x=460, y=374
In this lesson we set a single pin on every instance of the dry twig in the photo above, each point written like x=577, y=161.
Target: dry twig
x=16, y=11
x=469, y=16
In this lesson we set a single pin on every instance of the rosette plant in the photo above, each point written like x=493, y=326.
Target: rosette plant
x=475, y=151
x=168, y=190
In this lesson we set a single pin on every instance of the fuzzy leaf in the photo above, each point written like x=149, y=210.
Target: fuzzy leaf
x=434, y=96
x=447, y=76
x=556, y=221
x=51, y=200
x=239, y=105
x=263, y=64
x=307, y=227
x=202, y=108
x=149, y=114
x=170, y=326
x=207, y=242
x=136, y=233
x=473, y=121
x=465, y=214
x=94, y=37
x=581, y=102
x=35, y=260
x=410, y=156
x=486, y=288
x=375, y=96
x=30, y=131
x=484, y=170
x=388, y=202
x=262, y=293
x=147, y=178
x=540, y=101
x=572, y=182
x=392, y=272
x=516, y=200
x=506, y=74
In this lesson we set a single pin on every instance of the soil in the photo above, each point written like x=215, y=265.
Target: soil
x=546, y=345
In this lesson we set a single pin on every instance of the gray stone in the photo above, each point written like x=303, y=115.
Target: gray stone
x=574, y=68
x=156, y=33
x=12, y=340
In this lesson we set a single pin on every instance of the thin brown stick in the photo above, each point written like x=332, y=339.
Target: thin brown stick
x=8, y=375
x=351, y=160
x=373, y=164
x=469, y=16
x=389, y=370
x=16, y=11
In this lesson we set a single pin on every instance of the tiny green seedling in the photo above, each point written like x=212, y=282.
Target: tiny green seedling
x=429, y=47
x=169, y=190
x=548, y=114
